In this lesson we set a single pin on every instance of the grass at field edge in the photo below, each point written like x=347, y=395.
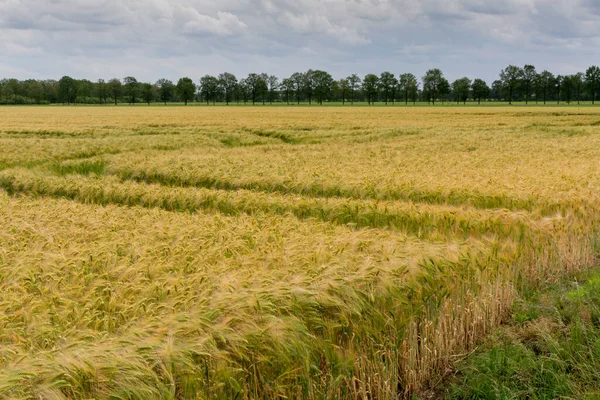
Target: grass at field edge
x=327, y=104
x=549, y=349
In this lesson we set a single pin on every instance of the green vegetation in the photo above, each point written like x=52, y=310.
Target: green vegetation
x=549, y=349
x=314, y=86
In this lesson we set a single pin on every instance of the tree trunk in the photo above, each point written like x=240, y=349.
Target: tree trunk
x=544, y=96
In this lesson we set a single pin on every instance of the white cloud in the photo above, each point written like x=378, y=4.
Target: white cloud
x=225, y=24
x=307, y=24
x=17, y=49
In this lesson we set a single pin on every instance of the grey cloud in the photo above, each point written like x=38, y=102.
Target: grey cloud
x=91, y=38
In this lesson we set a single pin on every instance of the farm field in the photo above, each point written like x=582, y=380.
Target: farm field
x=196, y=252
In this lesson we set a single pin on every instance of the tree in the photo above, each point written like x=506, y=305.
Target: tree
x=273, y=84
x=165, y=90
x=185, y=89
x=50, y=89
x=510, y=78
x=308, y=84
x=323, y=83
x=209, y=87
x=2, y=90
x=30, y=91
x=387, y=84
x=237, y=92
x=577, y=80
x=101, y=91
x=567, y=89
x=115, y=87
x=592, y=81
x=529, y=77
x=496, y=90
x=354, y=83
x=288, y=87
x=370, y=84
x=558, y=81
x=12, y=87
x=131, y=88
x=227, y=82
x=244, y=90
x=408, y=85
x=545, y=80
x=33, y=90
x=263, y=86
x=343, y=86
x=67, y=89
x=461, y=88
x=147, y=92
x=432, y=83
x=298, y=79
x=444, y=89
x=254, y=83
x=84, y=89
x=480, y=89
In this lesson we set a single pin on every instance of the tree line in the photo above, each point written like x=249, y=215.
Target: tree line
x=313, y=86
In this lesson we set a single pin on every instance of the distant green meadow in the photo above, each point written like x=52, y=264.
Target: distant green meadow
x=553, y=104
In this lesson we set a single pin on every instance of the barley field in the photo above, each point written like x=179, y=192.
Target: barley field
x=246, y=253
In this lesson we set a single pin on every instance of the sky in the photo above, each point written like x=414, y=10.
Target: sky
x=152, y=39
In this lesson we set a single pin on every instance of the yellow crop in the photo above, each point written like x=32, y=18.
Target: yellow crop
x=172, y=252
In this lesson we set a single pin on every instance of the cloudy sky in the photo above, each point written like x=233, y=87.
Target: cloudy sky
x=150, y=39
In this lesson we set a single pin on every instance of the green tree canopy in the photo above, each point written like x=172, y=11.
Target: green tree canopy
x=592, y=81
x=370, y=86
x=510, y=77
x=186, y=89
x=166, y=88
x=433, y=84
x=480, y=89
x=131, y=86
